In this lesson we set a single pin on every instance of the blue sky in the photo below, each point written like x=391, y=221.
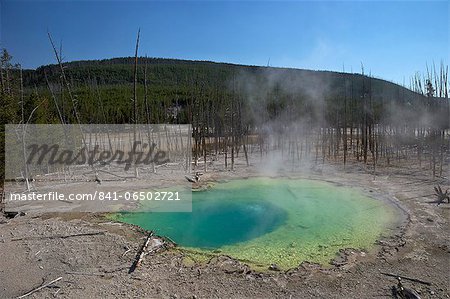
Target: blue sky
x=393, y=39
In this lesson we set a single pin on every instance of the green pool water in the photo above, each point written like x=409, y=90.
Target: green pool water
x=282, y=221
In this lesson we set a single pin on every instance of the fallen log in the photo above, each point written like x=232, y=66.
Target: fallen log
x=79, y=235
x=140, y=254
x=407, y=278
x=190, y=180
x=13, y=214
x=59, y=236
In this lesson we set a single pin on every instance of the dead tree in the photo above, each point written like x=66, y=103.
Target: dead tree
x=135, y=118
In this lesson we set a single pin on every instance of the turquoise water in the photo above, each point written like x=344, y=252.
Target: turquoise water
x=282, y=221
x=215, y=221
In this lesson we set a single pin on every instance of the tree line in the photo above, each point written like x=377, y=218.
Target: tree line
x=234, y=109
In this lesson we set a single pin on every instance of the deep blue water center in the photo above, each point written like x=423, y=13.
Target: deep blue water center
x=215, y=220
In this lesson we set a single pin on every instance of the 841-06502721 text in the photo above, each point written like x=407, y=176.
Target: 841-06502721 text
x=142, y=195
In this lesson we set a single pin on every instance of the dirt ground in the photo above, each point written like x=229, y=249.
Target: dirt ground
x=93, y=254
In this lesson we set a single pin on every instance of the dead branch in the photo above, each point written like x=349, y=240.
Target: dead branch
x=170, y=240
x=128, y=250
x=86, y=273
x=40, y=288
x=441, y=195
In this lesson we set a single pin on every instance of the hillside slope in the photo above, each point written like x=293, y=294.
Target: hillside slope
x=172, y=72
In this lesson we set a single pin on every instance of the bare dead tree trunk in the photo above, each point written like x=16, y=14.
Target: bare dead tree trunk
x=135, y=117
x=54, y=98
x=26, y=176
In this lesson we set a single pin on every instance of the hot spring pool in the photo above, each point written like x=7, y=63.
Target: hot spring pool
x=281, y=221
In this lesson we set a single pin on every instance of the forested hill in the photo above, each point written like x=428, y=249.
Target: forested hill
x=178, y=90
x=172, y=72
